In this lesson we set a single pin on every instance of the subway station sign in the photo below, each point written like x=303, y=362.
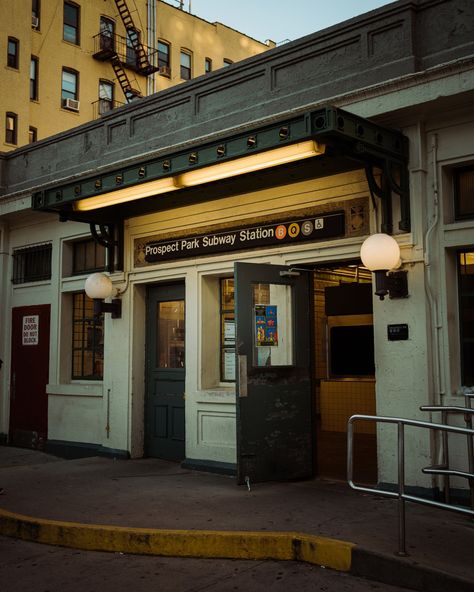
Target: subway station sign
x=321, y=226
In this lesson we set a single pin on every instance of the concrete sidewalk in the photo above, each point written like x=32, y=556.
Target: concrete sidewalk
x=152, y=506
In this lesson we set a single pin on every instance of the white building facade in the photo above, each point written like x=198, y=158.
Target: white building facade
x=230, y=213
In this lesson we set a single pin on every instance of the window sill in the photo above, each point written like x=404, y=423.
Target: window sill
x=77, y=389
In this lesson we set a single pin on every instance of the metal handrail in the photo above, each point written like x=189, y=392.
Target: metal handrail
x=401, y=494
x=467, y=411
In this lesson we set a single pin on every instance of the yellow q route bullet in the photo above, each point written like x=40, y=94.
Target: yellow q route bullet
x=293, y=230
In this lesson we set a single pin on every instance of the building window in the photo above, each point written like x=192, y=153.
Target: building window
x=32, y=264
x=87, y=256
x=185, y=62
x=164, y=58
x=32, y=135
x=208, y=65
x=106, y=96
x=11, y=128
x=464, y=193
x=107, y=34
x=13, y=51
x=466, y=315
x=35, y=14
x=71, y=23
x=227, y=340
x=132, y=42
x=34, y=64
x=87, y=340
x=69, y=89
x=227, y=62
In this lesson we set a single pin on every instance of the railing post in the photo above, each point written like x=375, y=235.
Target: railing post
x=470, y=447
x=401, y=491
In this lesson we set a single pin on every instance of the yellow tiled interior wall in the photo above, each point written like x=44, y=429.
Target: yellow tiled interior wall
x=339, y=399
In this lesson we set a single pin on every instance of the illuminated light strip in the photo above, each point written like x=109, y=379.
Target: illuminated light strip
x=128, y=194
x=254, y=162
x=222, y=170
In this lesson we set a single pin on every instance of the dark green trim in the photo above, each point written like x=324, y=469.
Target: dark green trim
x=345, y=135
x=72, y=450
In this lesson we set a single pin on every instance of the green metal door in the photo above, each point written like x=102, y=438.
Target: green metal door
x=274, y=403
x=165, y=372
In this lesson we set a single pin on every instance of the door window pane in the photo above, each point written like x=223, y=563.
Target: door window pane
x=273, y=326
x=170, y=334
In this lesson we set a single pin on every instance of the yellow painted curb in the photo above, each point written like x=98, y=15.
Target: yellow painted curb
x=331, y=553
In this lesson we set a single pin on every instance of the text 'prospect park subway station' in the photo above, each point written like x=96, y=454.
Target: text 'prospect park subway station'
x=183, y=279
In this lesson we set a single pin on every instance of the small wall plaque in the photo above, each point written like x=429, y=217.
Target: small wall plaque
x=397, y=332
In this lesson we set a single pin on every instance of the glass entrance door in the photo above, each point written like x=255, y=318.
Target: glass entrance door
x=274, y=406
x=165, y=424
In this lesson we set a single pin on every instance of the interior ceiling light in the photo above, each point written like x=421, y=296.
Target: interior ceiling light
x=127, y=194
x=253, y=162
x=222, y=170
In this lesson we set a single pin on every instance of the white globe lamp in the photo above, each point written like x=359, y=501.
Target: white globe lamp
x=99, y=286
x=380, y=253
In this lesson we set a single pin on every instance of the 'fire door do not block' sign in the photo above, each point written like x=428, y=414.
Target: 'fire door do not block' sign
x=30, y=332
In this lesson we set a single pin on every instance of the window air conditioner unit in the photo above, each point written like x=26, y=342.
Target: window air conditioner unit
x=71, y=104
x=34, y=21
x=165, y=70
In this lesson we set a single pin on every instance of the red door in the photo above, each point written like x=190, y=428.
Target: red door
x=29, y=376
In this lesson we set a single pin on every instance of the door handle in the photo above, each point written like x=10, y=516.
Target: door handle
x=242, y=363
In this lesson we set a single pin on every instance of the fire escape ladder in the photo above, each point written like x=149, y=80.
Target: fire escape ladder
x=143, y=63
x=129, y=92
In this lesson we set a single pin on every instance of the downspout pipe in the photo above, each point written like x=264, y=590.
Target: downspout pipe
x=439, y=393
x=151, y=41
x=436, y=322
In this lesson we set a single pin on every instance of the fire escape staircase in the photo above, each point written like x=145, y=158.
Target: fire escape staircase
x=128, y=90
x=143, y=63
x=125, y=53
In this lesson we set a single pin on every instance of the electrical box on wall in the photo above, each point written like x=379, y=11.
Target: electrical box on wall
x=397, y=332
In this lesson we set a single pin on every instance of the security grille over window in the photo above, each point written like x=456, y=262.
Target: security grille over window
x=32, y=264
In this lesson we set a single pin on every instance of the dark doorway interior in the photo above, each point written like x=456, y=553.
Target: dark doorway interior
x=344, y=370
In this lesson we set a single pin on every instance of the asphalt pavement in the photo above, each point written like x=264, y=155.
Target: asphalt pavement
x=150, y=506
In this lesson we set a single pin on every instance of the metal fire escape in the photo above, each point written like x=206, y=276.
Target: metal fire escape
x=125, y=53
x=143, y=63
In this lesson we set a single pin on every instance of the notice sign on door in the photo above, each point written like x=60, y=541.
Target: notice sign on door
x=30, y=334
x=266, y=327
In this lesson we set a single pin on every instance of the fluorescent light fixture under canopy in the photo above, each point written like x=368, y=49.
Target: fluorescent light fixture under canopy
x=207, y=174
x=251, y=163
x=127, y=194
